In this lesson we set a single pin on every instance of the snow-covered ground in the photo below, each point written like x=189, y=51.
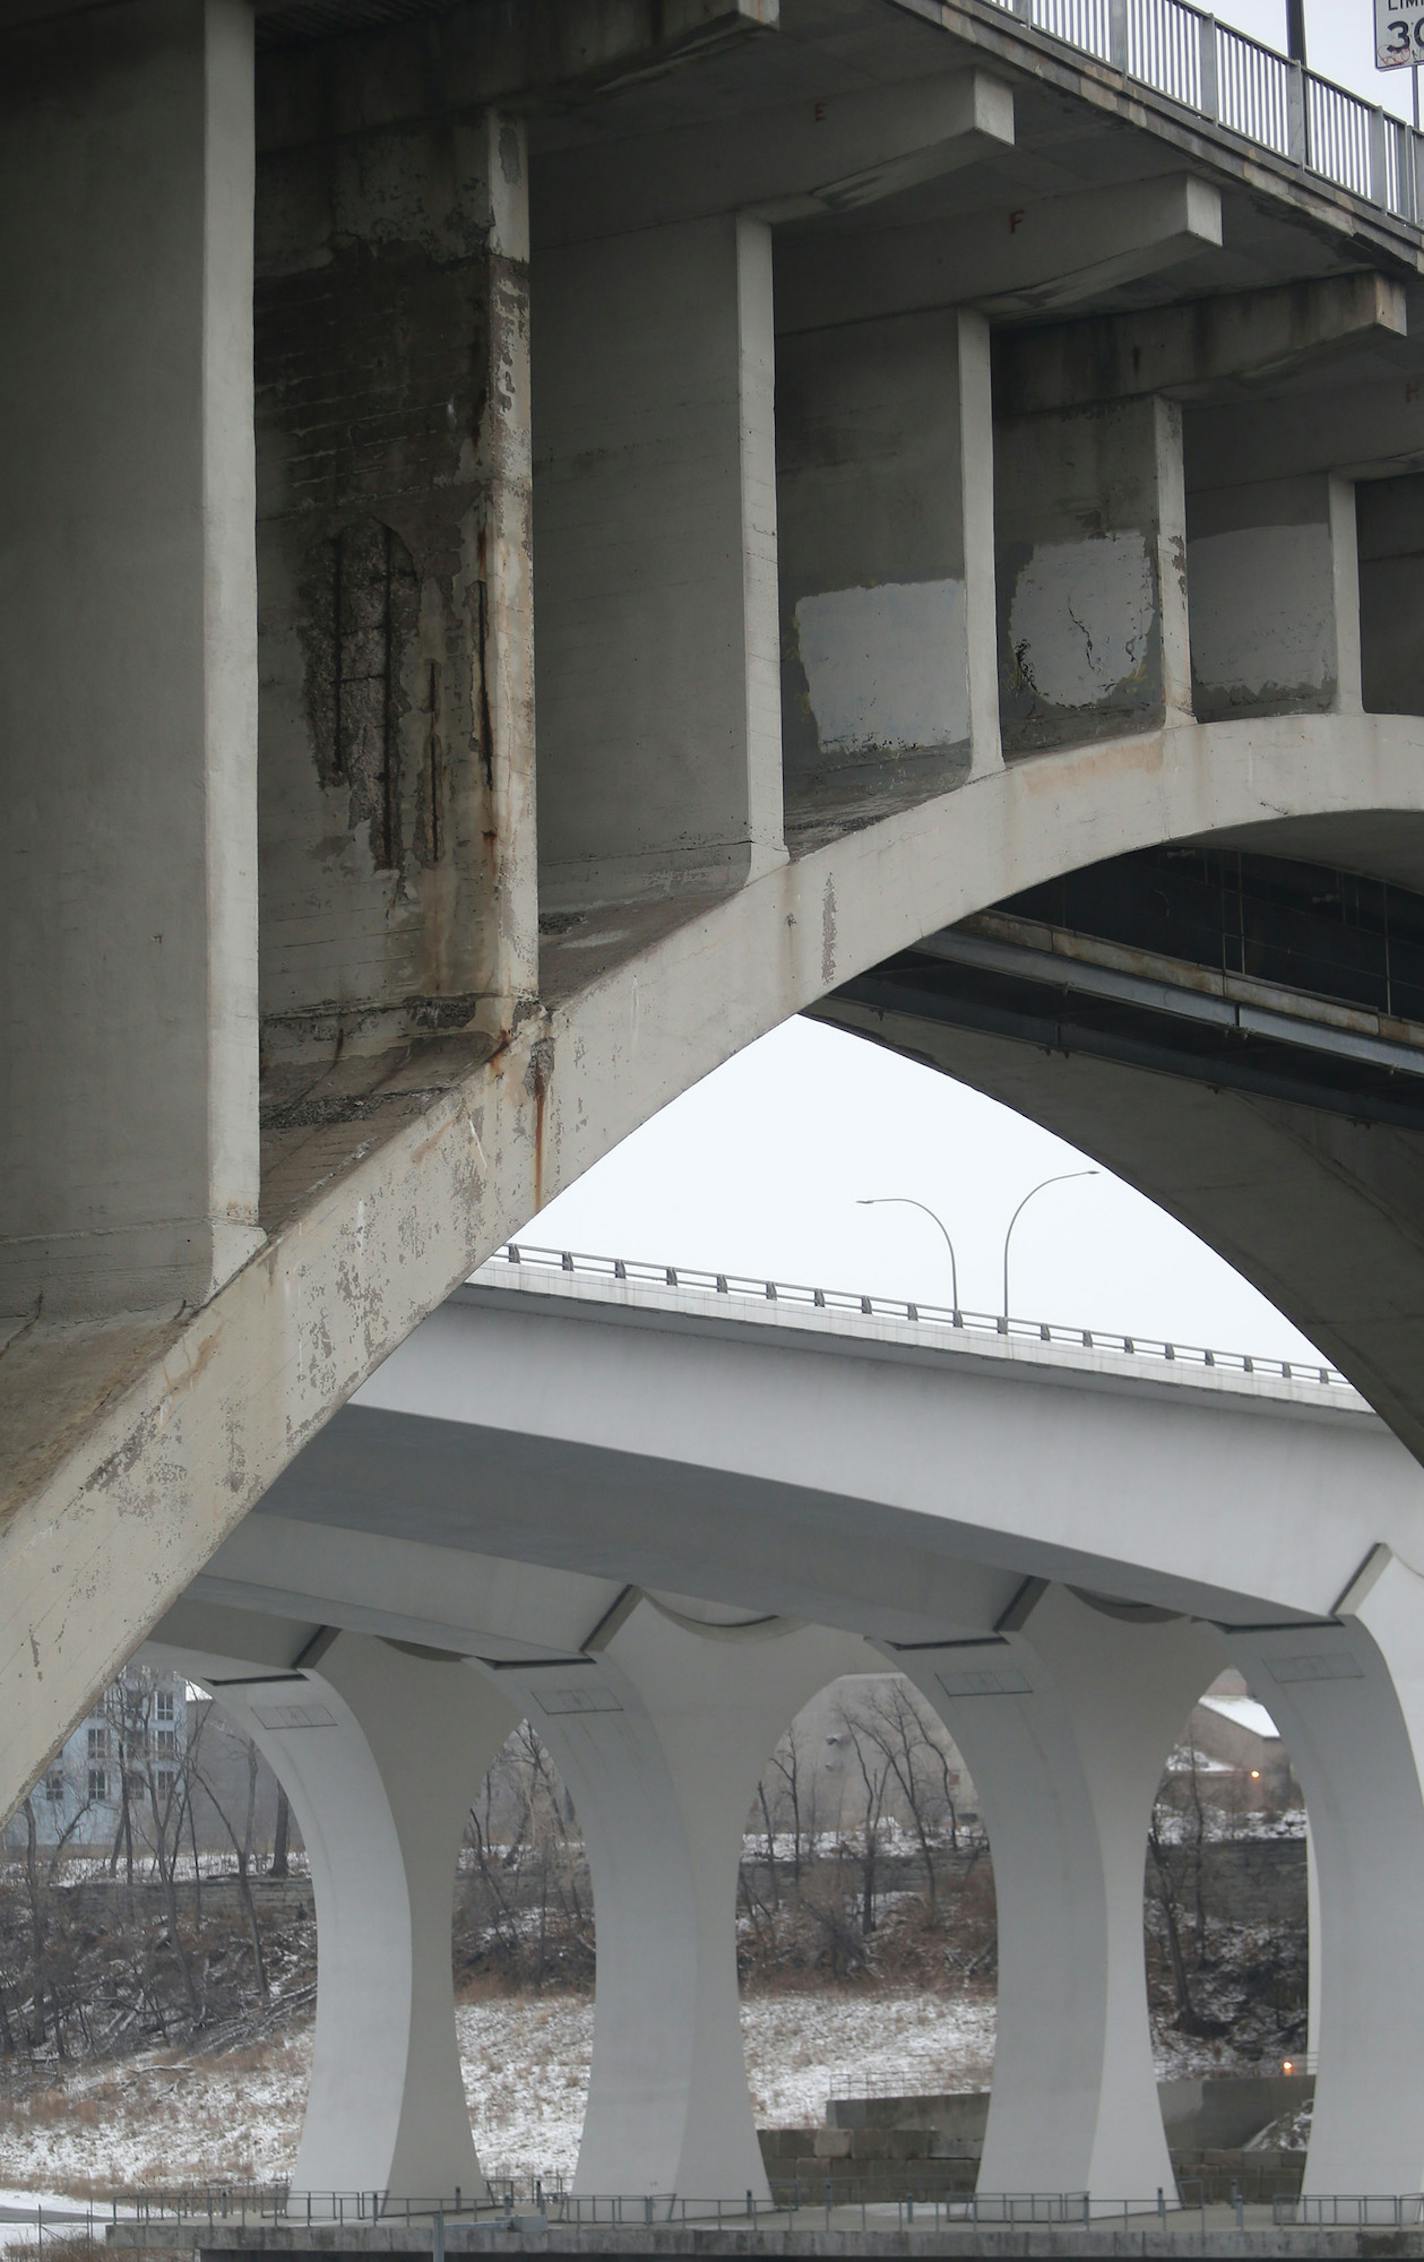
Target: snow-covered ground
x=171, y=2116
x=176, y=2117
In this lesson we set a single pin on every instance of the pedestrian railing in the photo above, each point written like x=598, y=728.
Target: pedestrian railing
x=1349, y=2210
x=937, y=1321
x=1237, y=82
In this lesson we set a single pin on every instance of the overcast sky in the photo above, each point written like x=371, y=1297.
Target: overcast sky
x=1339, y=38
x=759, y=1169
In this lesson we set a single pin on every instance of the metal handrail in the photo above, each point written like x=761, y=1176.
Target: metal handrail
x=935, y=1319
x=1252, y=90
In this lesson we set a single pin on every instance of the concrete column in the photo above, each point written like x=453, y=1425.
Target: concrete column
x=658, y=675
x=381, y=1752
x=661, y=1737
x=128, y=1172
x=1092, y=594
x=1390, y=516
x=1349, y=1701
x=1273, y=581
x=397, y=755
x=885, y=511
x=1066, y=1724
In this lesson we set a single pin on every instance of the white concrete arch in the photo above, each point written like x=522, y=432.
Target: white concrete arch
x=171, y=1434
x=661, y=1736
x=1349, y=1699
x=381, y=1752
x=1066, y=1721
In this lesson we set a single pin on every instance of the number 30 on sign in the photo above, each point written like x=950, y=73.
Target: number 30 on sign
x=1399, y=33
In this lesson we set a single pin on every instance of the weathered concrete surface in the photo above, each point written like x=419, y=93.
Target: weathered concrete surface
x=128, y=877
x=1139, y=2239
x=106, y=1523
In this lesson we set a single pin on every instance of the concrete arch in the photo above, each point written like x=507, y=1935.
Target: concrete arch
x=661, y=1738
x=1066, y=1724
x=125, y=1499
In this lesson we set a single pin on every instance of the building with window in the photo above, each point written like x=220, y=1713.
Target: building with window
x=130, y=1748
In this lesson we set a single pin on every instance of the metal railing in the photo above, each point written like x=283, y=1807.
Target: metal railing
x=1341, y=2210
x=1252, y=90
x=936, y=1320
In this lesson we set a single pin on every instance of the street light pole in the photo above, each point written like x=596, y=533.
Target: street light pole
x=1058, y=1179
x=907, y=1201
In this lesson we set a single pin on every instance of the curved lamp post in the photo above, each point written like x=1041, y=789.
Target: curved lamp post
x=907, y=1201
x=1058, y=1179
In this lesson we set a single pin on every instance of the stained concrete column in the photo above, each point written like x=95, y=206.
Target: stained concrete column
x=655, y=549
x=397, y=741
x=1066, y=1723
x=128, y=681
x=1390, y=521
x=1092, y=595
x=1273, y=580
x=885, y=512
x=382, y=1753
x=1348, y=1699
x=661, y=1736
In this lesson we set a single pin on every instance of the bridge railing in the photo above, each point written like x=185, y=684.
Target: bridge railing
x=1253, y=90
x=937, y=1320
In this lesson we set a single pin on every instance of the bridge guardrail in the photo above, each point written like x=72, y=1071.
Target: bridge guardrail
x=1252, y=90
x=935, y=1319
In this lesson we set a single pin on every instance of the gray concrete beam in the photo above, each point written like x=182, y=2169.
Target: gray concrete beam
x=1205, y=346
x=1007, y=259
x=1273, y=578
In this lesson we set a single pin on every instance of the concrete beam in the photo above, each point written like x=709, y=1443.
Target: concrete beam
x=1359, y=430
x=1092, y=595
x=1239, y=338
x=1006, y=260
x=129, y=1166
x=796, y=161
x=1273, y=580
x=658, y=675
x=885, y=511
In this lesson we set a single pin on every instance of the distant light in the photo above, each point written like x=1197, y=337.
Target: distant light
x=1288, y=2065
x=1255, y=1774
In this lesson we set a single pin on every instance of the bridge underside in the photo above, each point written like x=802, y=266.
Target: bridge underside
x=912, y=466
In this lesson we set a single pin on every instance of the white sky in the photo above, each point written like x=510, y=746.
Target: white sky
x=759, y=1169
x=1339, y=39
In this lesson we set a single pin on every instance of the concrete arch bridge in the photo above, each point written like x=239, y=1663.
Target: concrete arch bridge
x=922, y=473
x=656, y=1519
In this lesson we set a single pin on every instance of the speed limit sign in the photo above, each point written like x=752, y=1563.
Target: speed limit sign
x=1399, y=33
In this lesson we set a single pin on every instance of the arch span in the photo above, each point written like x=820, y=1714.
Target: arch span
x=162, y=1438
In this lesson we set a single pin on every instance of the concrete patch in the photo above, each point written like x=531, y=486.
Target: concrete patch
x=886, y=667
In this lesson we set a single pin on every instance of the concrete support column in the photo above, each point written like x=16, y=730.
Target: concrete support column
x=661, y=1737
x=658, y=675
x=1349, y=1701
x=128, y=681
x=395, y=572
x=1273, y=578
x=1091, y=516
x=885, y=510
x=1390, y=519
x=381, y=1752
x=1066, y=1725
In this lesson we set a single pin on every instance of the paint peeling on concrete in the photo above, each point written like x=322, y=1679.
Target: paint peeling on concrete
x=886, y=667
x=1263, y=618
x=1082, y=617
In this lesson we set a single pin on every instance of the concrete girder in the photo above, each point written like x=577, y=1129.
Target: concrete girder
x=167, y=1440
x=661, y=1736
x=1007, y=260
x=798, y=162
x=1208, y=346
x=1067, y=1724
